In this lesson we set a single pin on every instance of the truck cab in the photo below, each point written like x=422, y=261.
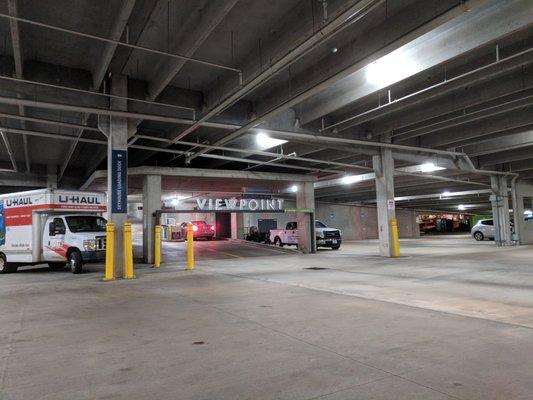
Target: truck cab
x=74, y=239
x=325, y=236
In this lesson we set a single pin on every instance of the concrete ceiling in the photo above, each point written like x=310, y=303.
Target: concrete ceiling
x=460, y=79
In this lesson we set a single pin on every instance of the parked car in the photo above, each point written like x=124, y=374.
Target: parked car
x=325, y=236
x=483, y=229
x=200, y=229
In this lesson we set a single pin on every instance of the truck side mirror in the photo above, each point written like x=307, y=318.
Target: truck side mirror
x=51, y=229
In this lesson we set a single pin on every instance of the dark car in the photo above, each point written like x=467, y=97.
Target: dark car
x=200, y=229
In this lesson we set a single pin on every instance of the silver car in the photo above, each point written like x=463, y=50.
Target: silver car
x=483, y=229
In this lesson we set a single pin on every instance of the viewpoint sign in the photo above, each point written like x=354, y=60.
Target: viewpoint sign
x=234, y=204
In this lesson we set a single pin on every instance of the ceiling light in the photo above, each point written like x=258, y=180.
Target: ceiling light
x=265, y=142
x=175, y=201
x=334, y=50
x=390, y=69
x=446, y=194
x=430, y=167
x=348, y=179
x=461, y=207
x=294, y=188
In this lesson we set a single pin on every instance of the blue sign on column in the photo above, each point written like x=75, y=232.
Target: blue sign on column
x=119, y=181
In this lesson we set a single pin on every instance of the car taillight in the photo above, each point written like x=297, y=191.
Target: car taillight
x=212, y=227
x=194, y=228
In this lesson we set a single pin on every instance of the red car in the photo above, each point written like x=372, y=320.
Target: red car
x=201, y=230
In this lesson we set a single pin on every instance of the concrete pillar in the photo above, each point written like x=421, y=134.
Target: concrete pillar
x=51, y=176
x=237, y=225
x=525, y=229
x=500, y=210
x=384, y=169
x=151, y=203
x=305, y=199
x=117, y=168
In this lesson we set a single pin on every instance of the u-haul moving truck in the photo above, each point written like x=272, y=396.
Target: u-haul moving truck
x=58, y=227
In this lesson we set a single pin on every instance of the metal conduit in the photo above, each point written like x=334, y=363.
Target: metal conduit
x=366, y=115
x=110, y=96
x=119, y=43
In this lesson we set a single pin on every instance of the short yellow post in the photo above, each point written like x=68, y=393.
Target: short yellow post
x=395, y=238
x=128, y=252
x=190, y=247
x=109, y=252
x=157, y=246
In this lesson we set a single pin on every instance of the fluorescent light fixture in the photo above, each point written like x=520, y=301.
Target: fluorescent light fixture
x=430, y=167
x=461, y=207
x=294, y=188
x=266, y=142
x=390, y=69
x=175, y=201
x=348, y=179
x=446, y=194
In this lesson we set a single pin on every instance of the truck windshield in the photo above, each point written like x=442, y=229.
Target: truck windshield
x=319, y=224
x=86, y=223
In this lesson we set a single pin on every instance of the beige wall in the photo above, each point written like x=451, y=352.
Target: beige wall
x=358, y=223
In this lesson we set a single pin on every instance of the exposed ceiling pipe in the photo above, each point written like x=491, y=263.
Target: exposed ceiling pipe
x=328, y=82
x=348, y=17
x=465, y=118
x=440, y=89
x=173, y=151
x=49, y=121
x=310, y=137
x=119, y=43
x=276, y=156
x=106, y=95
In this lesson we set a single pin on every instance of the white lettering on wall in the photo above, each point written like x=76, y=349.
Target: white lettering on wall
x=241, y=204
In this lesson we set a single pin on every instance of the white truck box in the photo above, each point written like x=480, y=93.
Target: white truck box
x=27, y=219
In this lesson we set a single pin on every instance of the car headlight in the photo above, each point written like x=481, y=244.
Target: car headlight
x=89, y=245
x=320, y=235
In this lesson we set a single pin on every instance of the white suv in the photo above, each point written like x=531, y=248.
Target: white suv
x=483, y=229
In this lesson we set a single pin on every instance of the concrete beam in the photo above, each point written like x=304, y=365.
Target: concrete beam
x=486, y=21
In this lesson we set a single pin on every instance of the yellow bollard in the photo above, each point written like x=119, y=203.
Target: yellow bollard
x=190, y=247
x=128, y=253
x=157, y=247
x=109, y=252
x=395, y=238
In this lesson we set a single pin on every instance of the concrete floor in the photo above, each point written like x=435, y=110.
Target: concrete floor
x=451, y=319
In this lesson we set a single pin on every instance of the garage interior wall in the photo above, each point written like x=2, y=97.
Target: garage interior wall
x=355, y=222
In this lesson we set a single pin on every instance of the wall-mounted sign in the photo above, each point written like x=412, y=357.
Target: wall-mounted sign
x=119, y=181
x=240, y=204
x=390, y=204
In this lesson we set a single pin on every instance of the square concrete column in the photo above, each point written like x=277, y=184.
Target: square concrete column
x=384, y=169
x=305, y=199
x=117, y=168
x=151, y=203
x=237, y=225
x=500, y=210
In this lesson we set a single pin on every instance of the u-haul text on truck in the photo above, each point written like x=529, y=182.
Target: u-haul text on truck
x=58, y=227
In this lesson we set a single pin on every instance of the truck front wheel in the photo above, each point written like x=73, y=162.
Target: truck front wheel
x=278, y=242
x=5, y=268
x=75, y=262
